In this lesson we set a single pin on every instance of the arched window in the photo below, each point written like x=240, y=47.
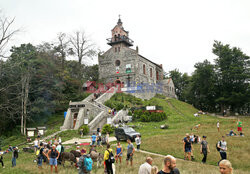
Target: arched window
x=117, y=63
x=144, y=69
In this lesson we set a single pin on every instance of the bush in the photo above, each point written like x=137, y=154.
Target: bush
x=107, y=128
x=85, y=129
x=147, y=116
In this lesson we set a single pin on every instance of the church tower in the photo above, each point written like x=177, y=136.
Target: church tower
x=119, y=37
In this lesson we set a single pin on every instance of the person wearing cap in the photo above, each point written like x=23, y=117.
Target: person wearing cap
x=204, y=149
x=53, y=156
x=14, y=156
x=80, y=163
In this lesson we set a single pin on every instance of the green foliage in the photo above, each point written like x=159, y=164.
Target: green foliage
x=85, y=129
x=149, y=117
x=107, y=128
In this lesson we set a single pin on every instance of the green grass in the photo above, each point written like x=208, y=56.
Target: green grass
x=169, y=141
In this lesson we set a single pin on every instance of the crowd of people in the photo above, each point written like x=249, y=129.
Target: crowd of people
x=51, y=152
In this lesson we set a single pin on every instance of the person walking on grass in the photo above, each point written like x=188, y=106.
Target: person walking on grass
x=225, y=167
x=204, y=149
x=187, y=147
x=93, y=139
x=183, y=140
x=130, y=152
x=14, y=156
x=145, y=168
x=40, y=156
x=118, y=152
x=222, y=145
x=218, y=126
x=53, y=156
x=85, y=163
x=108, y=161
x=239, y=124
x=138, y=142
x=169, y=166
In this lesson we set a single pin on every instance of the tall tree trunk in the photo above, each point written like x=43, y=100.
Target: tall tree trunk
x=22, y=96
x=26, y=97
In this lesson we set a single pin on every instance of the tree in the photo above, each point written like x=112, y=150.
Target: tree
x=232, y=69
x=62, y=47
x=81, y=46
x=202, y=88
x=181, y=81
x=6, y=32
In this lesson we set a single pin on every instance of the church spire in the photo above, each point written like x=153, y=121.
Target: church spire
x=119, y=20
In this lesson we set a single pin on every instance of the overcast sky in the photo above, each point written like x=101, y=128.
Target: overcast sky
x=175, y=33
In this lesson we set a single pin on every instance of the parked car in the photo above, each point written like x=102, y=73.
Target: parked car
x=124, y=133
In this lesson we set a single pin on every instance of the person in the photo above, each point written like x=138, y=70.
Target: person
x=1, y=158
x=14, y=156
x=222, y=145
x=81, y=133
x=118, y=152
x=53, y=156
x=78, y=149
x=59, y=140
x=108, y=162
x=187, y=146
x=85, y=163
x=138, y=142
x=239, y=124
x=183, y=140
x=40, y=156
x=99, y=139
x=169, y=166
x=191, y=137
x=225, y=167
x=154, y=170
x=93, y=139
x=231, y=133
x=204, y=149
x=218, y=126
x=59, y=149
x=196, y=127
x=36, y=144
x=107, y=138
x=224, y=112
x=145, y=168
x=130, y=152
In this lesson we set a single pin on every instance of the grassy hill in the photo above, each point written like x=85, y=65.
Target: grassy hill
x=169, y=141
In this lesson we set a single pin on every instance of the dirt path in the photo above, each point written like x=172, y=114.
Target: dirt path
x=86, y=140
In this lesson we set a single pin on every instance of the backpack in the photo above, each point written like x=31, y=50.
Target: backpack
x=37, y=152
x=88, y=164
x=111, y=158
x=218, y=149
x=62, y=149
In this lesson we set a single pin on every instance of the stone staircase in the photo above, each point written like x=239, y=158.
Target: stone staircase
x=101, y=111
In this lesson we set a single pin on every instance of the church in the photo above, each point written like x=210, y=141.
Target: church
x=126, y=66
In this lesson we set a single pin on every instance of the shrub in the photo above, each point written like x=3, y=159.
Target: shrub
x=148, y=116
x=107, y=128
x=85, y=129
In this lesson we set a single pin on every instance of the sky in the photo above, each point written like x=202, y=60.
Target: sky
x=175, y=33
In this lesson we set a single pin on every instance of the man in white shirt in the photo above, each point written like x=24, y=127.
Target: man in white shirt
x=36, y=144
x=146, y=167
x=138, y=142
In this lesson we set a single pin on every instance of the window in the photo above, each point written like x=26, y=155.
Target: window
x=115, y=49
x=151, y=73
x=117, y=63
x=144, y=69
x=157, y=75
